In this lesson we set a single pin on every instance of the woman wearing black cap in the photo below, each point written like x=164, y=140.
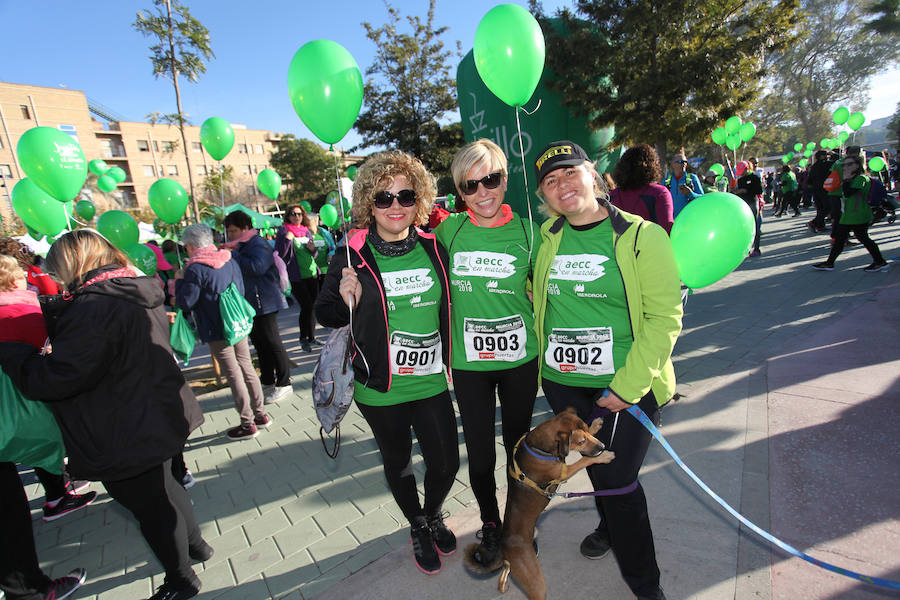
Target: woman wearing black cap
x=607, y=309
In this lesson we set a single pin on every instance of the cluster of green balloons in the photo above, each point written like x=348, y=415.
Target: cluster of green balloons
x=326, y=89
x=269, y=183
x=711, y=237
x=108, y=178
x=168, y=199
x=509, y=53
x=842, y=116
x=733, y=133
x=217, y=137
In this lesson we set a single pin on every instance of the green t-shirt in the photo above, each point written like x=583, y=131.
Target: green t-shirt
x=788, y=182
x=587, y=326
x=305, y=261
x=413, y=294
x=492, y=321
x=322, y=248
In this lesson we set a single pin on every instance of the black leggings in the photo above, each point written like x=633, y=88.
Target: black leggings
x=20, y=575
x=842, y=234
x=306, y=291
x=475, y=395
x=54, y=485
x=274, y=366
x=434, y=423
x=166, y=517
x=624, y=518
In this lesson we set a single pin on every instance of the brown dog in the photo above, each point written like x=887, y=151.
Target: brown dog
x=537, y=470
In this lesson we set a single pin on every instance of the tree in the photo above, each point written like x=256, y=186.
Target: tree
x=219, y=183
x=181, y=49
x=893, y=126
x=886, y=15
x=409, y=90
x=305, y=167
x=666, y=73
x=831, y=63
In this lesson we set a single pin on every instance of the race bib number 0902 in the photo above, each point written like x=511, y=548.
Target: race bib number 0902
x=415, y=354
x=494, y=339
x=586, y=351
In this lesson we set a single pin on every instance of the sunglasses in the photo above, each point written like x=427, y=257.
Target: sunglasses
x=681, y=162
x=384, y=199
x=490, y=182
x=296, y=214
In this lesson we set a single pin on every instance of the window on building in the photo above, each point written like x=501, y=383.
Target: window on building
x=251, y=190
x=196, y=147
x=168, y=147
x=5, y=171
x=201, y=170
x=258, y=148
x=143, y=146
x=26, y=112
x=106, y=149
x=172, y=170
x=242, y=148
x=155, y=146
x=149, y=171
x=1, y=142
x=70, y=129
x=255, y=169
x=245, y=169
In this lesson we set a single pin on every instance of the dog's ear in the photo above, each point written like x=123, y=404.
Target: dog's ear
x=595, y=426
x=562, y=445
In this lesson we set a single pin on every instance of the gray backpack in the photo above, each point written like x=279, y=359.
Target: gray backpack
x=332, y=385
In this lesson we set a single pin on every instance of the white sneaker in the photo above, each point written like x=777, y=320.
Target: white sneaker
x=188, y=480
x=281, y=392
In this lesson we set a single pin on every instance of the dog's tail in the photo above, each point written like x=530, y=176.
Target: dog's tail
x=472, y=559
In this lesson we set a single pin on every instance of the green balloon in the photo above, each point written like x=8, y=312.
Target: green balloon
x=717, y=168
x=117, y=173
x=856, y=120
x=269, y=183
x=119, y=228
x=711, y=237
x=142, y=257
x=326, y=89
x=785, y=159
x=802, y=163
x=106, y=183
x=826, y=143
x=876, y=163
x=54, y=161
x=451, y=200
x=98, y=167
x=798, y=147
x=168, y=200
x=35, y=235
x=306, y=206
x=85, y=209
x=807, y=153
x=351, y=172
x=747, y=131
x=329, y=215
x=217, y=137
x=38, y=209
x=843, y=136
x=811, y=146
x=719, y=135
x=841, y=115
x=509, y=53
x=733, y=125
x=733, y=141
x=332, y=197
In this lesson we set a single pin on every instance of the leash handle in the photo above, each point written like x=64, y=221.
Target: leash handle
x=638, y=414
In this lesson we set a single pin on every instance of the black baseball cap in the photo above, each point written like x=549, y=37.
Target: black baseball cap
x=563, y=153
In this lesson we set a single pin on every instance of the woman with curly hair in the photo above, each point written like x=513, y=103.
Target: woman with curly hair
x=396, y=285
x=637, y=191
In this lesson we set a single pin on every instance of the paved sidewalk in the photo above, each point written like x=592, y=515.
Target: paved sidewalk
x=790, y=385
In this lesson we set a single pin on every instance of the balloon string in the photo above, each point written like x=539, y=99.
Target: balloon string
x=222, y=193
x=535, y=108
x=340, y=201
x=525, y=177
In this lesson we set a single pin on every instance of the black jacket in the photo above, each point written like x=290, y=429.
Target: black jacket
x=370, y=324
x=120, y=400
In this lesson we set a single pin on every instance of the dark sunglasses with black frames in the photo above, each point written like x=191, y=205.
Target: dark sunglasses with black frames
x=490, y=182
x=384, y=199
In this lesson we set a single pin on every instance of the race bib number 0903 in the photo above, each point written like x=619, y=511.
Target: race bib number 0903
x=494, y=339
x=415, y=354
x=586, y=351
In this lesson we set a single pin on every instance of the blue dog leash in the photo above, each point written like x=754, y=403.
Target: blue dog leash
x=638, y=414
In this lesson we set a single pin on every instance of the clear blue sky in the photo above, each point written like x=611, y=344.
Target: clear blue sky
x=90, y=46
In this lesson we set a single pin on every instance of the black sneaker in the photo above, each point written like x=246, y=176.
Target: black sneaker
x=444, y=540
x=69, y=503
x=201, y=551
x=304, y=345
x=595, y=546
x=656, y=595
x=424, y=551
x=876, y=267
x=168, y=591
x=488, y=551
x=823, y=266
x=64, y=586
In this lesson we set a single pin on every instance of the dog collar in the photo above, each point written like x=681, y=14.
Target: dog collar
x=516, y=473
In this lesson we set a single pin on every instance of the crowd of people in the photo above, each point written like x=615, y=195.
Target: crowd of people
x=585, y=306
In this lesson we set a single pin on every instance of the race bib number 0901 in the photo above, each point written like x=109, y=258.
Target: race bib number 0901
x=494, y=339
x=415, y=354
x=586, y=351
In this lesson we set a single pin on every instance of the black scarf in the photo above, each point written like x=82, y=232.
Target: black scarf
x=399, y=248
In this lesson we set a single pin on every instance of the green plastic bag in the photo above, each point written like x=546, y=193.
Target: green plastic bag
x=237, y=315
x=182, y=337
x=28, y=432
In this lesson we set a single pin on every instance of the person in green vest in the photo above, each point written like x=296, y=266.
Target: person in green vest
x=607, y=313
x=789, y=192
x=856, y=215
x=397, y=288
x=323, y=242
x=491, y=252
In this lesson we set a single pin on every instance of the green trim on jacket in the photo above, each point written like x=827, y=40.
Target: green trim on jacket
x=652, y=293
